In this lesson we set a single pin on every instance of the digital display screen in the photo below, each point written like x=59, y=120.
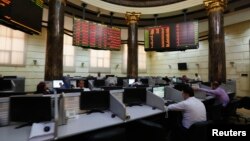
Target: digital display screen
x=24, y=15
x=172, y=37
x=88, y=34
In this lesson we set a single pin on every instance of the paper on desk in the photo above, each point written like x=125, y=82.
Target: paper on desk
x=38, y=134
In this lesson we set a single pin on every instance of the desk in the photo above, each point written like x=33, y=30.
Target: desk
x=137, y=112
x=85, y=123
x=9, y=133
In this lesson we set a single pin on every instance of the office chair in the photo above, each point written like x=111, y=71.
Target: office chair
x=214, y=113
x=109, y=134
x=145, y=130
x=199, y=131
x=230, y=111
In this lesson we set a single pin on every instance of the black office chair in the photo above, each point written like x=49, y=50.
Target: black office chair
x=199, y=131
x=145, y=130
x=214, y=112
x=229, y=111
x=110, y=134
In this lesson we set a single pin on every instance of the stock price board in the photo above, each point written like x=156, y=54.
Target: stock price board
x=88, y=34
x=172, y=37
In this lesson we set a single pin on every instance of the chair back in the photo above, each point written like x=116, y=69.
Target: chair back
x=199, y=130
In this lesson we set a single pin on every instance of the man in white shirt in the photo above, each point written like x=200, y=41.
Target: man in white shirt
x=197, y=77
x=193, y=110
x=99, y=77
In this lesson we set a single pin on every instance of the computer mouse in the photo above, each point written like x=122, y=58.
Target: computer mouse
x=113, y=115
x=46, y=129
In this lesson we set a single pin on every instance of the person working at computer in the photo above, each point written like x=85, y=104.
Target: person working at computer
x=193, y=110
x=42, y=88
x=80, y=85
x=219, y=93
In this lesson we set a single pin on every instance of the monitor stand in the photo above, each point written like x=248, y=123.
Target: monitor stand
x=94, y=111
x=23, y=125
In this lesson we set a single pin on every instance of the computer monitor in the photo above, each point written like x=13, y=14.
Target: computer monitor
x=174, y=79
x=159, y=91
x=120, y=81
x=69, y=90
x=56, y=83
x=131, y=81
x=5, y=85
x=73, y=83
x=107, y=76
x=108, y=88
x=99, y=83
x=94, y=101
x=30, y=109
x=144, y=81
x=134, y=96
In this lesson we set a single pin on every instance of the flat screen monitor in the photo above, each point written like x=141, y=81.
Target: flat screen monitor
x=134, y=96
x=174, y=79
x=99, y=83
x=107, y=76
x=73, y=83
x=159, y=91
x=144, y=80
x=69, y=90
x=30, y=109
x=120, y=81
x=108, y=88
x=5, y=85
x=57, y=83
x=182, y=66
x=131, y=81
x=94, y=100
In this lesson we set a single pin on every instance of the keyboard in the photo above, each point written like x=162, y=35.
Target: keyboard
x=168, y=102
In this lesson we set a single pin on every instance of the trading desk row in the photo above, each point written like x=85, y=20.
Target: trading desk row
x=86, y=111
x=36, y=109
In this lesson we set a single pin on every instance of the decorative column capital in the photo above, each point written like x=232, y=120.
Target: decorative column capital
x=215, y=5
x=132, y=17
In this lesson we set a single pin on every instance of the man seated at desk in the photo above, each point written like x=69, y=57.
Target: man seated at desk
x=193, y=110
x=220, y=94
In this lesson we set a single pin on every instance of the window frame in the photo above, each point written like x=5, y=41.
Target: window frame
x=69, y=68
x=24, y=53
x=99, y=69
